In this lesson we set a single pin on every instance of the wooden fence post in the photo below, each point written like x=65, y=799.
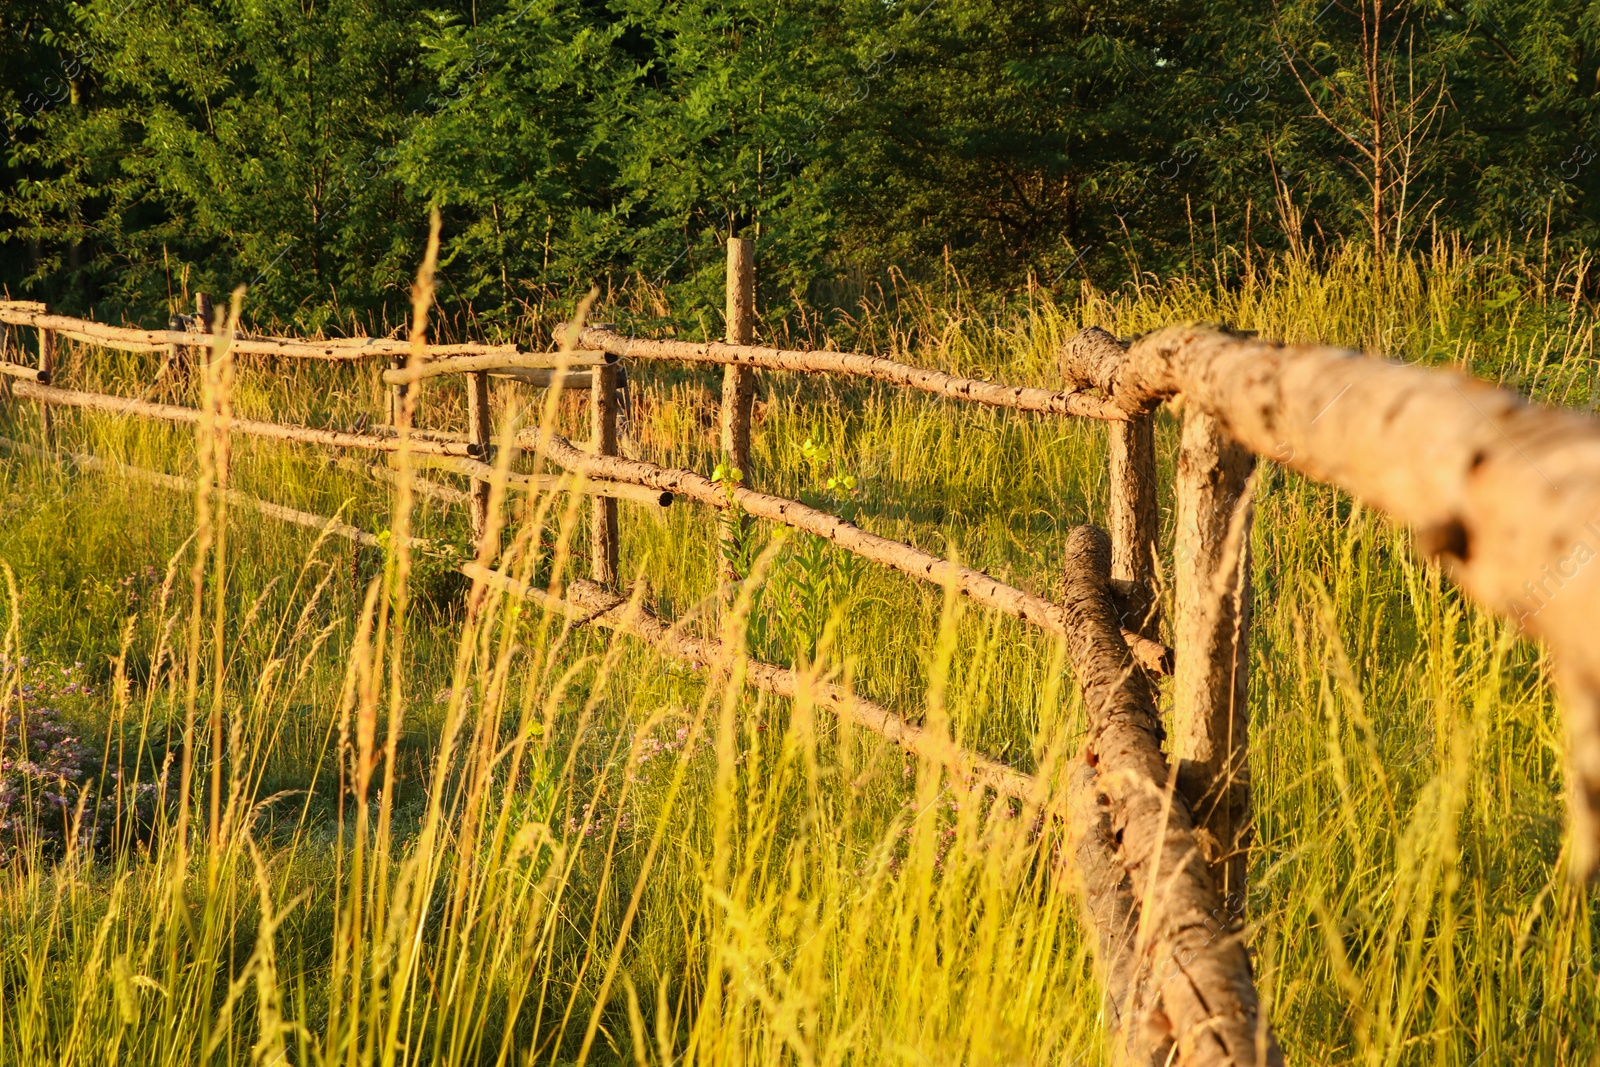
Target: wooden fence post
x=738, y=387
x=603, y=549
x=47, y=367
x=1211, y=636
x=173, y=370
x=185, y=357
x=1134, y=523
x=1092, y=360
x=397, y=392
x=480, y=433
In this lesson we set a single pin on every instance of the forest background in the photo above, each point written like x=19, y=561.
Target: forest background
x=154, y=147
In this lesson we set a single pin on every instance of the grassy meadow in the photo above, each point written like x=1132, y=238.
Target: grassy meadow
x=350, y=814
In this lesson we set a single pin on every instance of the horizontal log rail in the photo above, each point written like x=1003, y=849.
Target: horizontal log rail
x=592, y=605
x=25, y=372
x=118, y=405
x=577, y=381
x=1504, y=492
x=992, y=394
x=132, y=339
x=419, y=433
x=602, y=345
x=888, y=552
x=560, y=483
x=448, y=494
x=437, y=449
x=510, y=361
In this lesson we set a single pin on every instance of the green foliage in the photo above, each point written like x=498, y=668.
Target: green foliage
x=1000, y=134
x=217, y=144
x=296, y=147
x=813, y=581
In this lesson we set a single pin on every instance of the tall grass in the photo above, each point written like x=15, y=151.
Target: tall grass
x=452, y=828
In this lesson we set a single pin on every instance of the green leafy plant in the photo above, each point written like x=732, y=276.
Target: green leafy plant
x=738, y=548
x=436, y=580
x=813, y=579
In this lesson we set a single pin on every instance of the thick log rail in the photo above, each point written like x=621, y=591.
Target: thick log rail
x=1505, y=493
x=1176, y=970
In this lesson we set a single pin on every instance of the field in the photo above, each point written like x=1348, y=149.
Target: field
x=392, y=823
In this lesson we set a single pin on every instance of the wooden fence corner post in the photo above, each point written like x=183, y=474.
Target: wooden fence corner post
x=1134, y=522
x=604, y=557
x=1093, y=359
x=738, y=391
x=479, y=433
x=1211, y=636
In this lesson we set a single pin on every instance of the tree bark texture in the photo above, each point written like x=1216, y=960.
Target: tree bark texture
x=1188, y=991
x=1211, y=642
x=1134, y=521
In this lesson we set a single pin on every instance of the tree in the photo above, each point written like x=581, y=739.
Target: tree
x=1002, y=134
x=296, y=145
x=243, y=140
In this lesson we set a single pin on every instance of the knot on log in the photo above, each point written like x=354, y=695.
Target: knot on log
x=1448, y=538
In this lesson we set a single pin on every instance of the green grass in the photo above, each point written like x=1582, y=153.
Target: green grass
x=471, y=835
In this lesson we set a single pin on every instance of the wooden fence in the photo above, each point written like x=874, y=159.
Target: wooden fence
x=1505, y=493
